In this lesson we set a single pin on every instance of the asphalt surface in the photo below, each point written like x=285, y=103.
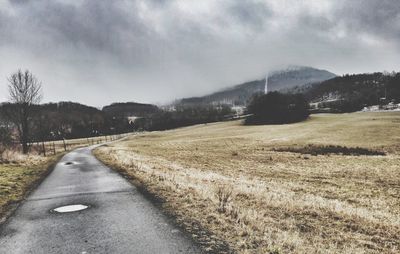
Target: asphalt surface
x=119, y=219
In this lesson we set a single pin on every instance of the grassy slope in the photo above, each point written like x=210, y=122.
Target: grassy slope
x=276, y=201
x=19, y=177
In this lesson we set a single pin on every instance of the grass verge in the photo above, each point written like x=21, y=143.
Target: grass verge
x=19, y=177
x=20, y=174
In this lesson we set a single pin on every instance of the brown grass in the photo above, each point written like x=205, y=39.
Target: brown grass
x=18, y=176
x=226, y=178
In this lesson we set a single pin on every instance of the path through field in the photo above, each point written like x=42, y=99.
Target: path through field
x=118, y=218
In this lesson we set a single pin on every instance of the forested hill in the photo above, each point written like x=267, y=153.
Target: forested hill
x=128, y=109
x=353, y=92
x=51, y=121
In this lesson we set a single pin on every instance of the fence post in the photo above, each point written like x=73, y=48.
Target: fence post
x=54, y=148
x=44, y=148
x=65, y=146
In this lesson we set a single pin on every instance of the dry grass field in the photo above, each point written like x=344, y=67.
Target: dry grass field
x=276, y=188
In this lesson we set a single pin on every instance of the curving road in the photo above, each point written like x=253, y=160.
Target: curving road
x=119, y=219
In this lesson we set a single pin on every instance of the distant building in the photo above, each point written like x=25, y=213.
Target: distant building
x=132, y=119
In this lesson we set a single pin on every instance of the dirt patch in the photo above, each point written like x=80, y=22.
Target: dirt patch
x=330, y=149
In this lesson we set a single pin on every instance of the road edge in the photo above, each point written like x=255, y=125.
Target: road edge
x=158, y=202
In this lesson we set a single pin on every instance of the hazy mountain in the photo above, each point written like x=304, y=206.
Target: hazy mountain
x=296, y=76
x=277, y=81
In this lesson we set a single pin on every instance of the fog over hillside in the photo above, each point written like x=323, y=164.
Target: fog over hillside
x=98, y=52
x=278, y=80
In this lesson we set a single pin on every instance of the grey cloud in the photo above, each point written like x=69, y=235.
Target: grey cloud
x=250, y=13
x=157, y=50
x=96, y=25
x=379, y=18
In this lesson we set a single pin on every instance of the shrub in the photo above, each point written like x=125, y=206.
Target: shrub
x=5, y=136
x=224, y=195
x=184, y=116
x=5, y=139
x=277, y=108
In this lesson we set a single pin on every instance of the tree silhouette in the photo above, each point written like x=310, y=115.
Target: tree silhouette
x=25, y=91
x=277, y=108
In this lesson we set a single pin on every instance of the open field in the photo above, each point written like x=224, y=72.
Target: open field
x=276, y=188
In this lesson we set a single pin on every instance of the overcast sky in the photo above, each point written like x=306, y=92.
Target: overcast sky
x=101, y=51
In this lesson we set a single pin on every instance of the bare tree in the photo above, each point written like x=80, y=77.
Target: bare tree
x=25, y=91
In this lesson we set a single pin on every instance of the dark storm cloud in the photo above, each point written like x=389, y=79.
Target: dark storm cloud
x=93, y=25
x=379, y=18
x=156, y=50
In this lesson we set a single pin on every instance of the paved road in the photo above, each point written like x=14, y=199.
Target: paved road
x=119, y=220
